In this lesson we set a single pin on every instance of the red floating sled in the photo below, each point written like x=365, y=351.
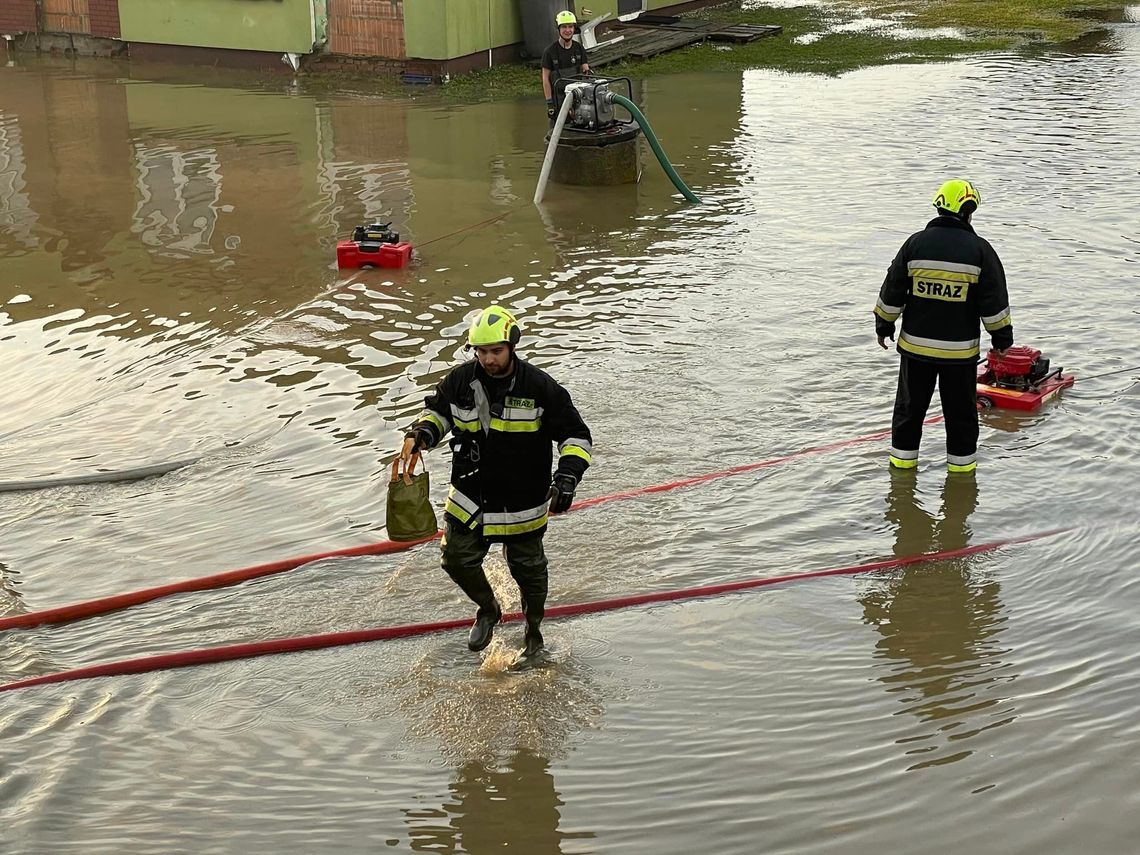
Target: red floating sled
x=373, y=246
x=1019, y=379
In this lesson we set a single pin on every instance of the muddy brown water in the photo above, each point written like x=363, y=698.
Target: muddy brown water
x=167, y=290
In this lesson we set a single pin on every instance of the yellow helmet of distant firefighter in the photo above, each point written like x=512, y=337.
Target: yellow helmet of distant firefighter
x=958, y=196
x=564, y=18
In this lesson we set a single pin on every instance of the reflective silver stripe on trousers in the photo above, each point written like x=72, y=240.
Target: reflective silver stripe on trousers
x=904, y=455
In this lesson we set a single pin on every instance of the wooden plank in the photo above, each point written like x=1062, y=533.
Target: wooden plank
x=641, y=41
x=744, y=33
x=664, y=22
x=641, y=46
x=670, y=42
x=686, y=24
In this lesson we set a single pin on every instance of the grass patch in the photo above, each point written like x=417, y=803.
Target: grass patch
x=1048, y=20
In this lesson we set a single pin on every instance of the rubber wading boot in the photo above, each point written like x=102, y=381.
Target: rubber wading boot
x=532, y=642
x=484, y=627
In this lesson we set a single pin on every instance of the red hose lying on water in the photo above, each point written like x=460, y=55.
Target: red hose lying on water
x=336, y=639
x=90, y=608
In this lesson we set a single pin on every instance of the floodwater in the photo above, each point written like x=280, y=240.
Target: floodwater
x=169, y=292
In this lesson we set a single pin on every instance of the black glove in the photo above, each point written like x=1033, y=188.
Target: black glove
x=422, y=438
x=551, y=110
x=561, y=493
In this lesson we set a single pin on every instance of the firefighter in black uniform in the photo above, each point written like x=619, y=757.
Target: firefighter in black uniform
x=564, y=58
x=503, y=413
x=943, y=279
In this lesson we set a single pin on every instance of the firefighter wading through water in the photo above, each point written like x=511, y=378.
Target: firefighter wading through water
x=943, y=279
x=504, y=414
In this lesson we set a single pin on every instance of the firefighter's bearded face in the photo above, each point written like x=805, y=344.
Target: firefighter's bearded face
x=495, y=358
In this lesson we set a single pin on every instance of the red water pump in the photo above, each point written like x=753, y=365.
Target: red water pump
x=1019, y=379
x=373, y=246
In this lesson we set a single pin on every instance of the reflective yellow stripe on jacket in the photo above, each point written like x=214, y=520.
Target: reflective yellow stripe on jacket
x=576, y=447
x=518, y=420
x=513, y=420
x=462, y=507
x=887, y=312
x=939, y=348
x=996, y=322
x=465, y=419
x=441, y=422
x=947, y=271
x=515, y=522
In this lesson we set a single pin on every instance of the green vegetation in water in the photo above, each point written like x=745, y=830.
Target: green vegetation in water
x=1048, y=20
x=830, y=38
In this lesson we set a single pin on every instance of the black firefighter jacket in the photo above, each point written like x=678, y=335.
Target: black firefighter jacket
x=943, y=279
x=501, y=445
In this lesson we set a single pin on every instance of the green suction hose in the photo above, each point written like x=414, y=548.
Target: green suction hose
x=639, y=117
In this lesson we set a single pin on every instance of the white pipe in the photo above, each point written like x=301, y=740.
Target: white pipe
x=555, y=134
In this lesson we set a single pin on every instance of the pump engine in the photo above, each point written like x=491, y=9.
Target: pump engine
x=591, y=109
x=377, y=232
x=1020, y=367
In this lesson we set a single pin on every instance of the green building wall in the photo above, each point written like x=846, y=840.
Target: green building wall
x=285, y=26
x=445, y=29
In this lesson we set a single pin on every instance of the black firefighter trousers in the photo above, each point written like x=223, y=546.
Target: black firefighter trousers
x=957, y=387
x=461, y=555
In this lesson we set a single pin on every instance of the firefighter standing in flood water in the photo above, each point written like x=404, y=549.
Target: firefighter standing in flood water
x=942, y=281
x=504, y=413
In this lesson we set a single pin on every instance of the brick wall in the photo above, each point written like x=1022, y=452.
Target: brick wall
x=104, y=18
x=17, y=16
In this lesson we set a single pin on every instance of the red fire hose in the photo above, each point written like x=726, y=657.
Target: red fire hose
x=336, y=639
x=91, y=608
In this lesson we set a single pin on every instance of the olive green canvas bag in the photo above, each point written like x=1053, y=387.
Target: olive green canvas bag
x=410, y=514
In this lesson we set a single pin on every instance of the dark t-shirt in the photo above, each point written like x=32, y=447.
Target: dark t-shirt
x=563, y=62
